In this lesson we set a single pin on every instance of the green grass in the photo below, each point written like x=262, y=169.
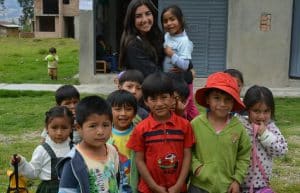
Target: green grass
x=22, y=120
x=22, y=60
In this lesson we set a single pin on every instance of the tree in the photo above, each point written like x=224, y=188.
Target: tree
x=27, y=6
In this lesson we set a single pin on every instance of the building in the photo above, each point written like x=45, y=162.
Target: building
x=258, y=37
x=8, y=29
x=56, y=18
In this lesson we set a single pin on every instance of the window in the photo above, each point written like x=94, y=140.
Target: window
x=47, y=24
x=50, y=6
x=66, y=1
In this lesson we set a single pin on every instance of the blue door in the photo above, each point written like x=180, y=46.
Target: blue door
x=206, y=22
x=295, y=47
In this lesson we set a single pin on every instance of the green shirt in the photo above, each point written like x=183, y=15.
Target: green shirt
x=223, y=156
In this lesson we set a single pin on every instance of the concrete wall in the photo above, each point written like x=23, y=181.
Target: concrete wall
x=87, y=50
x=263, y=57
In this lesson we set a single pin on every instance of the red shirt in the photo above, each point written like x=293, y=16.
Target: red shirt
x=163, y=145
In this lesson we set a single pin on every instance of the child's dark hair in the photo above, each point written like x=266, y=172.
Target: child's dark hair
x=66, y=92
x=180, y=86
x=157, y=83
x=92, y=105
x=235, y=73
x=120, y=98
x=58, y=111
x=131, y=75
x=260, y=94
x=52, y=50
x=176, y=11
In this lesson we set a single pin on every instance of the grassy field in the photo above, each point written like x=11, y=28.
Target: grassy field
x=22, y=60
x=22, y=116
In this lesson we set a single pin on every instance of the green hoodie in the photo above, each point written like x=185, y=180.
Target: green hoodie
x=223, y=157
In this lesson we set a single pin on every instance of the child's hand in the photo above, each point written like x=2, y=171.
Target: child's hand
x=180, y=107
x=261, y=128
x=174, y=189
x=160, y=189
x=15, y=159
x=234, y=187
x=197, y=172
x=168, y=51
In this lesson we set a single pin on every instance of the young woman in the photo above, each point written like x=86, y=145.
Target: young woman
x=142, y=41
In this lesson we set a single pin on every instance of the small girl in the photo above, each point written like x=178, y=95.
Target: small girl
x=178, y=49
x=58, y=122
x=52, y=59
x=267, y=140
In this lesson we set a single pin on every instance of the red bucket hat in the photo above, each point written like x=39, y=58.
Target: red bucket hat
x=222, y=81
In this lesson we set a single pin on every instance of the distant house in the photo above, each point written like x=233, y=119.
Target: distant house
x=9, y=29
x=56, y=18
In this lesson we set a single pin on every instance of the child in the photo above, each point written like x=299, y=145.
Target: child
x=222, y=153
x=162, y=141
x=52, y=60
x=124, y=108
x=92, y=165
x=267, y=140
x=181, y=95
x=59, y=121
x=237, y=75
x=131, y=81
x=68, y=96
x=178, y=49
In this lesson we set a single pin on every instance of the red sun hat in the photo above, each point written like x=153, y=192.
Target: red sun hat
x=222, y=81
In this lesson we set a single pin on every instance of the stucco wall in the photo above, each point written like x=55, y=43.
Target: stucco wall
x=87, y=50
x=263, y=57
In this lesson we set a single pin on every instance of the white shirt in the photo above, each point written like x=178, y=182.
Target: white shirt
x=40, y=164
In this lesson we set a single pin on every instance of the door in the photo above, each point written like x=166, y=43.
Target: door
x=295, y=47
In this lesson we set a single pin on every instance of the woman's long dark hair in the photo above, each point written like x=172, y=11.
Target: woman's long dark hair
x=152, y=42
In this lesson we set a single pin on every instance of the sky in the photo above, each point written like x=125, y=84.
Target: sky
x=12, y=11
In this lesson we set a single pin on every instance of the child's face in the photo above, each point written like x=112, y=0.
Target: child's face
x=178, y=102
x=160, y=105
x=143, y=19
x=171, y=23
x=259, y=113
x=240, y=84
x=220, y=103
x=122, y=116
x=134, y=88
x=70, y=104
x=59, y=129
x=95, y=131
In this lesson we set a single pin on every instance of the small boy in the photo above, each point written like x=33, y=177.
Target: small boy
x=68, y=96
x=162, y=141
x=124, y=108
x=131, y=81
x=92, y=165
x=181, y=95
x=52, y=59
x=222, y=153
